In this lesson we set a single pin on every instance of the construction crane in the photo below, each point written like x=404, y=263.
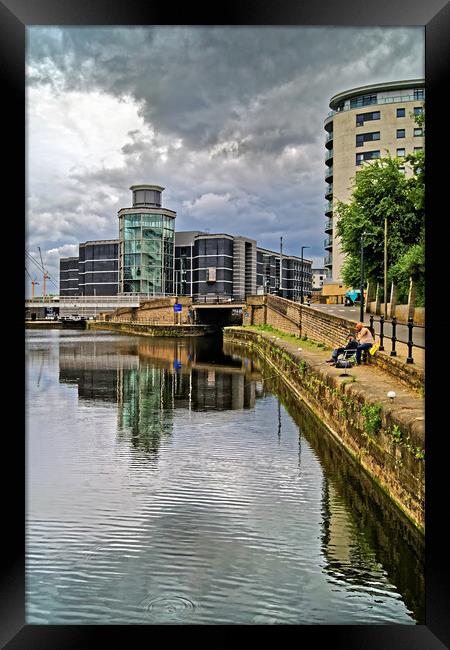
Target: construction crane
x=46, y=276
x=33, y=283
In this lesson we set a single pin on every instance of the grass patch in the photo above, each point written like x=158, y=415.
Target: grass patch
x=300, y=341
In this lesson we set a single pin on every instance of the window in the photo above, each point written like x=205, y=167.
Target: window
x=418, y=131
x=363, y=100
x=401, y=153
x=367, y=155
x=400, y=133
x=419, y=93
x=418, y=149
x=418, y=110
x=366, y=117
x=400, y=112
x=366, y=137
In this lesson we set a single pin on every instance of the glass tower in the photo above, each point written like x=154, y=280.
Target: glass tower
x=146, y=233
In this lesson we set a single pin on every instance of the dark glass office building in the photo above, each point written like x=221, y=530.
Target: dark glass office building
x=68, y=276
x=211, y=265
x=98, y=268
x=95, y=272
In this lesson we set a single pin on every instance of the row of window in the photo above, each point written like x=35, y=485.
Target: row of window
x=401, y=112
x=371, y=155
x=361, y=138
x=361, y=118
x=401, y=133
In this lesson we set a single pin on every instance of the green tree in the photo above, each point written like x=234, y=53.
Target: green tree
x=381, y=189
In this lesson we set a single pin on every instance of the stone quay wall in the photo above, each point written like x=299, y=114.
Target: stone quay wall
x=384, y=442
x=142, y=329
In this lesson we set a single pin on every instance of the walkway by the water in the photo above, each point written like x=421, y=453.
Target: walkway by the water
x=352, y=314
x=409, y=406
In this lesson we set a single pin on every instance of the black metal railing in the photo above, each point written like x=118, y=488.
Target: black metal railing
x=216, y=299
x=407, y=330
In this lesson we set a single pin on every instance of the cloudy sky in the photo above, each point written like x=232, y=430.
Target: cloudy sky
x=228, y=119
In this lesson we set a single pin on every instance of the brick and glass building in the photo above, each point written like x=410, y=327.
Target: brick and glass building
x=146, y=234
x=364, y=124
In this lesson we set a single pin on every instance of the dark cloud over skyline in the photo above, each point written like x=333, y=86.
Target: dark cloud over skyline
x=228, y=120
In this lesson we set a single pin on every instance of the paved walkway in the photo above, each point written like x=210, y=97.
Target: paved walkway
x=352, y=314
x=408, y=406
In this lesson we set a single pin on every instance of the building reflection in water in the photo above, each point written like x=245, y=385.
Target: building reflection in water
x=150, y=378
x=361, y=529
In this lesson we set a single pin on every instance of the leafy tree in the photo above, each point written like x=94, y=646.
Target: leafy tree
x=381, y=189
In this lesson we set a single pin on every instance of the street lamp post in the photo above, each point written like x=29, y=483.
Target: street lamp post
x=385, y=267
x=361, y=304
x=301, y=275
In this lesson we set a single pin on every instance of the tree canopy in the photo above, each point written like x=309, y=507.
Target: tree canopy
x=381, y=189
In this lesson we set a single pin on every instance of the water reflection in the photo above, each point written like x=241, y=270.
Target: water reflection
x=364, y=536
x=151, y=378
x=249, y=513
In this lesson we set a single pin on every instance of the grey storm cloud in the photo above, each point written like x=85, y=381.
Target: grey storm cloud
x=232, y=122
x=195, y=83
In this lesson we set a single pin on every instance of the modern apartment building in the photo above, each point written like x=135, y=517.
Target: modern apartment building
x=318, y=277
x=146, y=234
x=364, y=124
x=295, y=272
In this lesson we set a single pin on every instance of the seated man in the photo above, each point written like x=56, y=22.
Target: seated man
x=352, y=344
x=365, y=340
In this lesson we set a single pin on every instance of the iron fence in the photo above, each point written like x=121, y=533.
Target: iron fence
x=393, y=324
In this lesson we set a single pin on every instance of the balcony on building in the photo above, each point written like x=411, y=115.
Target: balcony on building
x=329, y=226
x=329, y=191
x=328, y=260
x=328, y=243
x=329, y=140
x=329, y=208
x=329, y=173
x=329, y=155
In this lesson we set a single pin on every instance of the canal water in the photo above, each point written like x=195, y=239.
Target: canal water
x=175, y=481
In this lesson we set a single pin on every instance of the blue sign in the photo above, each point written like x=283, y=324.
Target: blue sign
x=177, y=364
x=177, y=306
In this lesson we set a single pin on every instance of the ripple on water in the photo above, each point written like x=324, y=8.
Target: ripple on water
x=168, y=607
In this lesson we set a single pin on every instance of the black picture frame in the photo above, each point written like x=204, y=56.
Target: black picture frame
x=434, y=16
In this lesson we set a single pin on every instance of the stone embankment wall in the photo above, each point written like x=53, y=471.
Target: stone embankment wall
x=142, y=329
x=301, y=320
x=385, y=443
x=157, y=311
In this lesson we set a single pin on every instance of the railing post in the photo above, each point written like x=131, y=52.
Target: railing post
x=381, y=333
x=409, y=358
x=371, y=323
x=394, y=325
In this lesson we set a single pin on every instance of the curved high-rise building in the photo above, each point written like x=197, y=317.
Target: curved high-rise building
x=146, y=234
x=365, y=123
